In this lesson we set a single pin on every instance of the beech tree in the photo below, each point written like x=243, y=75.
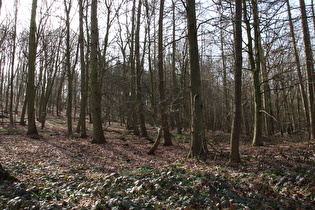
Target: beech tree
x=198, y=142
x=162, y=102
x=236, y=129
x=98, y=134
x=31, y=128
x=298, y=68
x=309, y=68
x=82, y=123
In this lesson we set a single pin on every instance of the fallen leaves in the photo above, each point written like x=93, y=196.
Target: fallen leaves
x=63, y=173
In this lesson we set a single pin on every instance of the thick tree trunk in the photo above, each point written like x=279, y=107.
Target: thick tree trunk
x=198, y=144
x=98, y=135
x=309, y=67
x=31, y=129
x=162, y=102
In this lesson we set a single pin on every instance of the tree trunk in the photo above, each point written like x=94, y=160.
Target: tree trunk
x=269, y=126
x=98, y=135
x=298, y=68
x=152, y=83
x=82, y=122
x=31, y=129
x=162, y=102
x=13, y=62
x=69, y=70
x=198, y=143
x=139, y=75
x=176, y=90
x=237, y=126
x=133, y=103
x=309, y=67
x=254, y=58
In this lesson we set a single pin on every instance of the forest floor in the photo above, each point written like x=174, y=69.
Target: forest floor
x=57, y=172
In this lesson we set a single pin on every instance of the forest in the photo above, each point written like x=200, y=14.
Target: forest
x=147, y=104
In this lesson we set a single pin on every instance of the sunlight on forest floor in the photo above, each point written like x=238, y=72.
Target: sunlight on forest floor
x=71, y=173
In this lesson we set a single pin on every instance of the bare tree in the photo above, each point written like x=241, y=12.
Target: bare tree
x=236, y=129
x=31, y=129
x=82, y=122
x=309, y=67
x=198, y=143
x=98, y=135
x=162, y=102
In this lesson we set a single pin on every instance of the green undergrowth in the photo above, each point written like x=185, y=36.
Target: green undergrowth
x=146, y=187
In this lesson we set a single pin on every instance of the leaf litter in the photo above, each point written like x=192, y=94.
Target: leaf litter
x=56, y=172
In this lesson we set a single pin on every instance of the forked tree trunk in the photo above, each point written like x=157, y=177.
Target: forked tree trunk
x=254, y=59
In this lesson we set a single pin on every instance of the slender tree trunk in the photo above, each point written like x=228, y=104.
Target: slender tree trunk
x=22, y=119
x=152, y=84
x=98, y=135
x=198, y=143
x=162, y=102
x=82, y=121
x=309, y=67
x=227, y=119
x=269, y=126
x=139, y=75
x=298, y=68
x=31, y=129
x=254, y=58
x=237, y=126
x=69, y=70
x=133, y=106
x=175, y=88
x=13, y=62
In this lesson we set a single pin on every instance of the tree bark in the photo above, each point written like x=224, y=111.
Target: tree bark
x=68, y=69
x=162, y=102
x=139, y=75
x=13, y=63
x=98, y=135
x=309, y=68
x=82, y=121
x=198, y=143
x=254, y=58
x=31, y=129
x=133, y=107
x=237, y=126
x=298, y=68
